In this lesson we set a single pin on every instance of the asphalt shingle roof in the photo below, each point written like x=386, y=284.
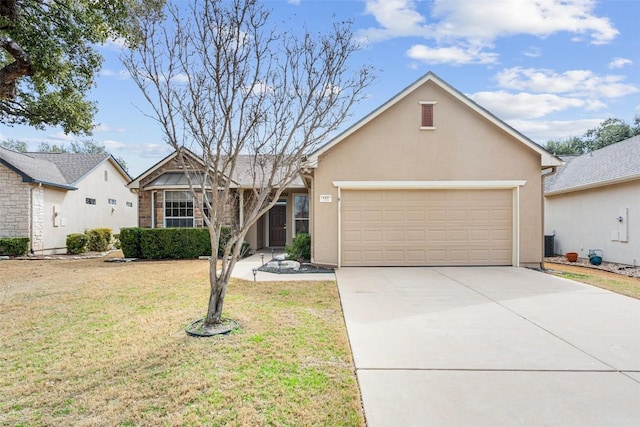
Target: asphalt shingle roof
x=57, y=169
x=613, y=163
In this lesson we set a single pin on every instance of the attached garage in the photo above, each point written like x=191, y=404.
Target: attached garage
x=428, y=227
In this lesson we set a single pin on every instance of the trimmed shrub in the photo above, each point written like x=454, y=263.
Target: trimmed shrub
x=300, y=249
x=130, y=242
x=99, y=239
x=14, y=246
x=171, y=243
x=77, y=243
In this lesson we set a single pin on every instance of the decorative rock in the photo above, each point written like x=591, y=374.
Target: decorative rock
x=4, y=258
x=284, y=265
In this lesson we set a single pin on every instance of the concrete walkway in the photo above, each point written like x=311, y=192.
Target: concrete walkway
x=491, y=347
x=244, y=270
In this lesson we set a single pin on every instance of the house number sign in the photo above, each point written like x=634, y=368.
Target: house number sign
x=325, y=198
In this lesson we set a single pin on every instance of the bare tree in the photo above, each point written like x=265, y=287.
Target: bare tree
x=223, y=82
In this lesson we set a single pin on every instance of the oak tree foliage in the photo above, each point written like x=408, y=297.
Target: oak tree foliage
x=49, y=61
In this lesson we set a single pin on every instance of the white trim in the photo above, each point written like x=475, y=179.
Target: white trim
x=515, y=245
x=426, y=185
x=439, y=185
x=339, y=226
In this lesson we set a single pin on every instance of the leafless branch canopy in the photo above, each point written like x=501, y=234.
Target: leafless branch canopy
x=224, y=82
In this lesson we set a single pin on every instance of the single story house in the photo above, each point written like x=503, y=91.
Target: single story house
x=428, y=178
x=593, y=202
x=47, y=196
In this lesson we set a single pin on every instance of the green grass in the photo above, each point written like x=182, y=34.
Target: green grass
x=94, y=343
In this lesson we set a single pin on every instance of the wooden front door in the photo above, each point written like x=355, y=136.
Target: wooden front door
x=278, y=225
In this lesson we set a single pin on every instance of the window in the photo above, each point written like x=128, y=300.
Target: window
x=178, y=209
x=301, y=213
x=106, y=175
x=112, y=201
x=90, y=201
x=426, y=117
x=129, y=204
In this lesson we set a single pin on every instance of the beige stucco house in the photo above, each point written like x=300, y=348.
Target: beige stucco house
x=428, y=178
x=47, y=196
x=593, y=202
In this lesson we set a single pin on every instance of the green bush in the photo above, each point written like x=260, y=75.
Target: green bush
x=99, y=239
x=300, y=249
x=171, y=243
x=77, y=243
x=14, y=246
x=130, y=242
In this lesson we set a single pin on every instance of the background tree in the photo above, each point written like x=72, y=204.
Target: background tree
x=47, y=59
x=608, y=132
x=224, y=82
x=80, y=147
x=15, y=145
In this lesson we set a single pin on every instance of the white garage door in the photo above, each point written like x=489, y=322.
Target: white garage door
x=427, y=227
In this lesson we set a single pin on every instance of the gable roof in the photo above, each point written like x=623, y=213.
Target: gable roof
x=62, y=170
x=242, y=177
x=547, y=159
x=613, y=164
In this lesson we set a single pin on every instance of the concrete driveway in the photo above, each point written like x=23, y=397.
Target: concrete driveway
x=491, y=346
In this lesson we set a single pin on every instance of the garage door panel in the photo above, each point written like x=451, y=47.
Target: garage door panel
x=427, y=227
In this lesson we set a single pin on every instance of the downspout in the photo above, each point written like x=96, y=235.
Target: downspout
x=544, y=175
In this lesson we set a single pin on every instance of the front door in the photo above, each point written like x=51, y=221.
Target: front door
x=278, y=225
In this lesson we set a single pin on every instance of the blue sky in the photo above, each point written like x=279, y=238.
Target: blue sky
x=550, y=68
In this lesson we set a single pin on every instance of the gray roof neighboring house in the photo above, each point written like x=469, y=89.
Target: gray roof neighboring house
x=61, y=170
x=615, y=163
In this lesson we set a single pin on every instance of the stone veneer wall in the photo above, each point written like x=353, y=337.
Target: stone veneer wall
x=14, y=204
x=37, y=213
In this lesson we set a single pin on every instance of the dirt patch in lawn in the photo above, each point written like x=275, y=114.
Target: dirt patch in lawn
x=619, y=283
x=86, y=342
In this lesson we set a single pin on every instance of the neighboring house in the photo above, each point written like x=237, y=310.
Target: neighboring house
x=47, y=196
x=429, y=178
x=593, y=202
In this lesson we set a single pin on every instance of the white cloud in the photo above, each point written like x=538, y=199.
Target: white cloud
x=296, y=2
x=451, y=55
x=620, y=62
x=120, y=75
x=498, y=18
x=117, y=43
x=533, y=52
x=104, y=128
x=397, y=18
x=111, y=145
x=453, y=24
x=542, y=131
x=61, y=136
x=510, y=106
x=581, y=83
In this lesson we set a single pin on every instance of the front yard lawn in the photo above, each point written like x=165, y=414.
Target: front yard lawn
x=85, y=343
x=629, y=286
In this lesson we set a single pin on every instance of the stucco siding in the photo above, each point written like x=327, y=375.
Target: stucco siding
x=463, y=146
x=67, y=212
x=588, y=219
